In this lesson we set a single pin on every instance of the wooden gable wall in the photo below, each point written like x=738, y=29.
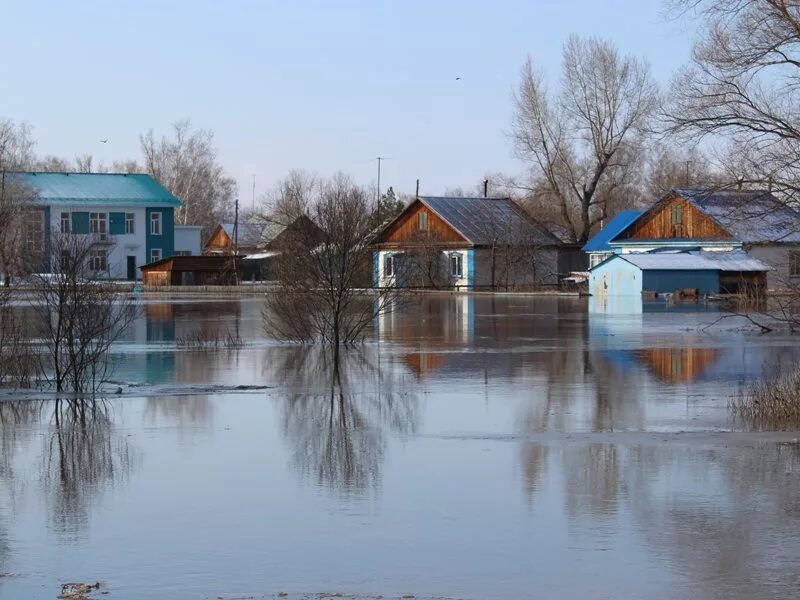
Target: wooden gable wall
x=658, y=223
x=406, y=229
x=219, y=240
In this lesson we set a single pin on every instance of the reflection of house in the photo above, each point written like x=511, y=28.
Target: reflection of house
x=464, y=243
x=130, y=215
x=707, y=232
x=674, y=365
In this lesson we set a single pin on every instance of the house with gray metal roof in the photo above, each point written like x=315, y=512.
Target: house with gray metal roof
x=130, y=217
x=465, y=243
x=723, y=224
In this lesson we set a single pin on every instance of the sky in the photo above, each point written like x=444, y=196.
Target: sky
x=324, y=86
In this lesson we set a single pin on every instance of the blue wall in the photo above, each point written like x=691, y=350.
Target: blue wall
x=471, y=267
x=165, y=241
x=615, y=277
x=706, y=282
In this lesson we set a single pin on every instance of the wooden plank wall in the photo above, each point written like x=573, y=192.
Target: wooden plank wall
x=657, y=224
x=407, y=228
x=219, y=241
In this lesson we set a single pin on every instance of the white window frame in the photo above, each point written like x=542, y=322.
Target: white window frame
x=98, y=260
x=156, y=226
x=422, y=221
x=388, y=265
x=457, y=265
x=130, y=219
x=98, y=225
x=66, y=222
x=156, y=254
x=33, y=224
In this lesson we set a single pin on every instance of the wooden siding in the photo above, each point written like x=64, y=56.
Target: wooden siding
x=675, y=365
x=219, y=240
x=406, y=229
x=658, y=223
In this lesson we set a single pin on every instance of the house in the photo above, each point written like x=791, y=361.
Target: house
x=719, y=224
x=188, y=240
x=191, y=270
x=248, y=237
x=277, y=237
x=131, y=217
x=598, y=247
x=464, y=243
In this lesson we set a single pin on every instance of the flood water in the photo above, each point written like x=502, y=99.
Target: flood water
x=476, y=447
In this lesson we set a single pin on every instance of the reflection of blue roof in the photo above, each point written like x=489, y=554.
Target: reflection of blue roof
x=599, y=243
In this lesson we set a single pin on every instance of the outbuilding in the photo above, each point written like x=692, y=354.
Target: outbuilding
x=191, y=270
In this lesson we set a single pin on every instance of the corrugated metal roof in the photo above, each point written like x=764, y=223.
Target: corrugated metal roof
x=96, y=188
x=487, y=221
x=734, y=261
x=737, y=261
x=751, y=216
x=599, y=243
x=250, y=234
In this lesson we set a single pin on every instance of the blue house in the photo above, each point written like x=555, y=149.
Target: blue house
x=130, y=216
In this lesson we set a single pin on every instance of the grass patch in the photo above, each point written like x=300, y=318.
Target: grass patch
x=209, y=340
x=772, y=404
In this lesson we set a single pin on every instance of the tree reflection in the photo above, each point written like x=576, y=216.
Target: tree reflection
x=337, y=409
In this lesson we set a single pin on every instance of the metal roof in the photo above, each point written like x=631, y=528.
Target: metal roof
x=250, y=234
x=599, y=243
x=488, y=221
x=96, y=188
x=733, y=261
x=751, y=216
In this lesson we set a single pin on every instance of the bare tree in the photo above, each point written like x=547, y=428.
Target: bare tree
x=321, y=293
x=79, y=314
x=186, y=164
x=743, y=87
x=584, y=140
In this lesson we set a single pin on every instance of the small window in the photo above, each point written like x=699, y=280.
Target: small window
x=130, y=223
x=155, y=254
x=155, y=223
x=422, y=221
x=388, y=266
x=794, y=264
x=457, y=265
x=677, y=214
x=98, y=225
x=98, y=260
x=65, y=222
x=33, y=227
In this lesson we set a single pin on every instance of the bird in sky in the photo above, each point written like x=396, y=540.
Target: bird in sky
x=458, y=78
x=103, y=141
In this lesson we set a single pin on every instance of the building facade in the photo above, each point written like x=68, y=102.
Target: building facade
x=129, y=216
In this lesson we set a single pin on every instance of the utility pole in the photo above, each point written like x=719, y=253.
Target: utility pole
x=688, y=162
x=236, y=227
x=380, y=158
x=254, y=192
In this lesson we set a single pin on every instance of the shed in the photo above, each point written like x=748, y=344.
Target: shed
x=191, y=270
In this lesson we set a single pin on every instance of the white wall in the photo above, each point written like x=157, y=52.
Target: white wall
x=121, y=246
x=187, y=239
x=461, y=282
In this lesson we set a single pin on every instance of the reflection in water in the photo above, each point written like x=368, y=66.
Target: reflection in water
x=674, y=365
x=337, y=407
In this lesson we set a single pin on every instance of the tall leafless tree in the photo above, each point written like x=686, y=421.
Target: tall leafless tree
x=583, y=139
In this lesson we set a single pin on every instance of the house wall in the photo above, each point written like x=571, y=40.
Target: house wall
x=777, y=256
x=219, y=241
x=187, y=239
x=667, y=281
x=122, y=245
x=380, y=279
x=406, y=229
x=658, y=224
x=540, y=268
x=164, y=241
x=616, y=277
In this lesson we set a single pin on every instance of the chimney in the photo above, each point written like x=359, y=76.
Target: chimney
x=417, y=194
x=485, y=188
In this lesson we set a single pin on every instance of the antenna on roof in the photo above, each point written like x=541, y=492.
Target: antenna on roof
x=485, y=188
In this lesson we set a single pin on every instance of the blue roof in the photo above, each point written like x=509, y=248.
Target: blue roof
x=96, y=188
x=599, y=243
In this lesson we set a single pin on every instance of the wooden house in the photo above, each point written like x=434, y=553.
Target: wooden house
x=191, y=270
x=464, y=243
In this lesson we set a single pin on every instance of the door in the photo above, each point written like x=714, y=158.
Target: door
x=131, y=268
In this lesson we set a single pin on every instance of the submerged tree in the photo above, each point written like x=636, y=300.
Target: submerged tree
x=323, y=270
x=584, y=142
x=79, y=314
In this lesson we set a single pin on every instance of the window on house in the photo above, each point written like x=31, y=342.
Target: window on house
x=457, y=265
x=34, y=231
x=794, y=264
x=65, y=222
x=155, y=254
x=422, y=221
x=98, y=260
x=129, y=223
x=155, y=223
x=98, y=225
x=64, y=260
x=388, y=266
x=677, y=220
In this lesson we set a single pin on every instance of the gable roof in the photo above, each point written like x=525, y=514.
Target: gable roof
x=250, y=234
x=732, y=261
x=96, y=188
x=488, y=221
x=599, y=243
x=750, y=216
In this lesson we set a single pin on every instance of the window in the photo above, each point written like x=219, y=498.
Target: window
x=65, y=258
x=677, y=221
x=457, y=265
x=794, y=264
x=129, y=223
x=596, y=259
x=155, y=223
x=388, y=266
x=98, y=260
x=422, y=221
x=65, y=221
x=98, y=225
x=34, y=231
x=183, y=253
x=155, y=254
